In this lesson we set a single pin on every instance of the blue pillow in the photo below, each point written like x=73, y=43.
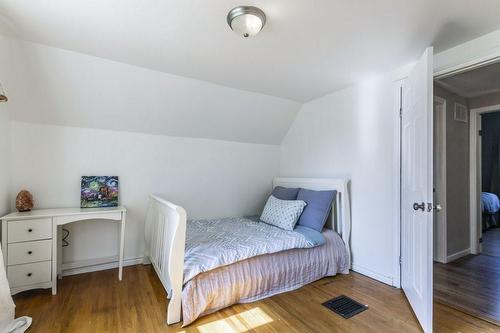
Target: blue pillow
x=319, y=205
x=285, y=193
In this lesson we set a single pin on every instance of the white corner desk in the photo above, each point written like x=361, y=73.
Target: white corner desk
x=32, y=249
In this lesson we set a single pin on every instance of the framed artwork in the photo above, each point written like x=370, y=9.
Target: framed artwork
x=99, y=191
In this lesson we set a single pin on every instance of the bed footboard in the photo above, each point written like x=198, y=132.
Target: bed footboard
x=165, y=233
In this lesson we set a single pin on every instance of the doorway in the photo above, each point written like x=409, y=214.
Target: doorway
x=489, y=181
x=418, y=206
x=439, y=190
x=466, y=269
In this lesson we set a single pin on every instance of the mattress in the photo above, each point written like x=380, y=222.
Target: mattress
x=262, y=276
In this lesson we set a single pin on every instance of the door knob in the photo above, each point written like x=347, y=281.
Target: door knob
x=438, y=207
x=419, y=206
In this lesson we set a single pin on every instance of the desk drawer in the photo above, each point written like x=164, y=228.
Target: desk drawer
x=24, y=275
x=26, y=252
x=27, y=230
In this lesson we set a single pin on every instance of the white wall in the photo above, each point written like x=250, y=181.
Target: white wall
x=4, y=160
x=209, y=178
x=5, y=71
x=350, y=134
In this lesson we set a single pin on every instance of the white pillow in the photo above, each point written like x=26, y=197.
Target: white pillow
x=283, y=214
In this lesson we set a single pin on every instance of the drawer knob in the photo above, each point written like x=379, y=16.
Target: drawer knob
x=29, y=274
x=30, y=252
x=30, y=230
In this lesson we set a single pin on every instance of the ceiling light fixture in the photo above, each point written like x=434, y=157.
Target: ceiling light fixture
x=246, y=20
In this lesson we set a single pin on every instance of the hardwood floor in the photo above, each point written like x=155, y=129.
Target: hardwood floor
x=449, y=320
x=98, y=302
x=491, y=242
x=471, y=284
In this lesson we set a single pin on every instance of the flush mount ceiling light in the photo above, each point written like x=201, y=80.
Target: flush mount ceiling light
x=246, y=20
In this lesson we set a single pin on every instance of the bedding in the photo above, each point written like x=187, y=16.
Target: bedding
x=312, y=235
x=218, y=242
x=319, y=205
x=285, y=193
x=263, y=276
x=283, y=214
x=491, y=203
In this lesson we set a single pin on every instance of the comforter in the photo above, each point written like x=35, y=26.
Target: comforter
x=219, y=242
x=491, y=203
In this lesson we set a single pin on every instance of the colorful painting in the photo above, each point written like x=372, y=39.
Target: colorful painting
x=99, y=191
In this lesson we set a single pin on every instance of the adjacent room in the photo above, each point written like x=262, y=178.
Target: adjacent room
x=261, y=166
x=490, y=179
x=467, y=188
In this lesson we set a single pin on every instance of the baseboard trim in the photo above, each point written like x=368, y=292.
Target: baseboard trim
x=94, y=265
x=457, y=255
x=374, y=275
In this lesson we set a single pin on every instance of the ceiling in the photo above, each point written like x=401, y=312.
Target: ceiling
x=478, y=82
x=306, y=50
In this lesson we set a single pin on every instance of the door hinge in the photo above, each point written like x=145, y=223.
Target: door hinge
x=480, y=133
x=400, y=261
x=481, y=240
x=401, y=101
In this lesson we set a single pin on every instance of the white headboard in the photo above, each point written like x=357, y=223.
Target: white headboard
x=340, y=217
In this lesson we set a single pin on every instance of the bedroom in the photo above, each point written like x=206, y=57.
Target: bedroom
x=166, y=97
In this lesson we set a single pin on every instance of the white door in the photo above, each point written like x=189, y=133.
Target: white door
x=416, y=189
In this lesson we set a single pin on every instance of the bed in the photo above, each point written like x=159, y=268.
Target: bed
x=490, y=207
x=207, y=265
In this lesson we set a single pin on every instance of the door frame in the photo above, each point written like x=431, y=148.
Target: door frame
x=398, y=108
x=441, y=234
x=475, y=172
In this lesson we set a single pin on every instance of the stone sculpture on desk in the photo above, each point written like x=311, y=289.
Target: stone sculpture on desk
x=24, y=201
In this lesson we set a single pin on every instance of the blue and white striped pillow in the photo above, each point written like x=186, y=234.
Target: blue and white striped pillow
x=283, y=214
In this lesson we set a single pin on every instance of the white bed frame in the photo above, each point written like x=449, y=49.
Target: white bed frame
x=165, y=234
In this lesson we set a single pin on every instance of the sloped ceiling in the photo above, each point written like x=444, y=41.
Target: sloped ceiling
x=307, y=49
x=53, y=86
